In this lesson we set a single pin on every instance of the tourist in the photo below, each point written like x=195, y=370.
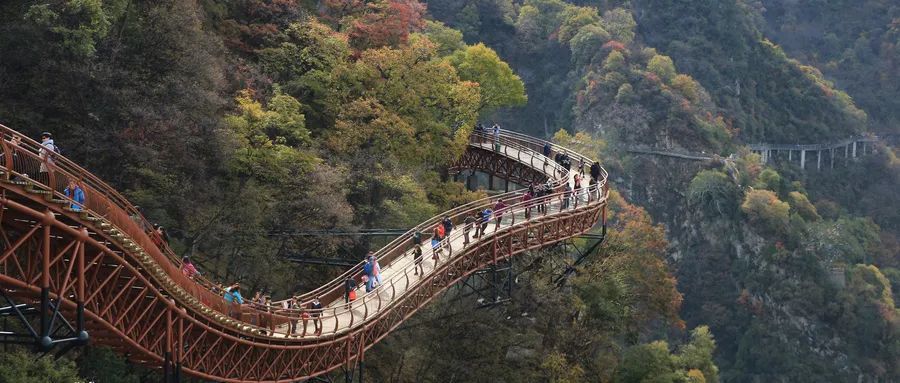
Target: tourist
x=265, y=315
x=368, y=273
x=161, y=232
x=529, y=194
x=155, y=237
x=436, y=245
x=485, y=218
x=304, y=315
x=497, y=137
x=289, y=305
x=467, y=227
x=577, y=192
x=46, y=151
x=234, y=300
x=376, y=269
x=581, y=167
x=349, y=290
x=315, y=311
x=547, y=149
x=595, y=171
x=365, y=281
x=448, y=227
x=567, y=194
x=76, y=194
x=187, y=268
x=417, y=238
x=498, y=212
x=417, y=260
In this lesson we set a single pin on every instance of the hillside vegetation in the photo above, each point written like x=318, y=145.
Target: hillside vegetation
x=237, y=124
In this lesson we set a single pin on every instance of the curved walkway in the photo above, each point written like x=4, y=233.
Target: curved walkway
x=98, y=263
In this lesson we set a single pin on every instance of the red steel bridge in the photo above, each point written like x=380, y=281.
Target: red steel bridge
x=73, y=274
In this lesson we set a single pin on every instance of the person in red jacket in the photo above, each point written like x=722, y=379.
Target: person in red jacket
x=498, y=212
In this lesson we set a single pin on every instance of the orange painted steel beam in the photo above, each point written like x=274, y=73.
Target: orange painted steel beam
x=134, y=296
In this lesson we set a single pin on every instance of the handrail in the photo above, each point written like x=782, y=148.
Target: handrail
x=814, y=147
x=385, y=252
x=21, y=158
x=52, y=173
x=596, y=194
x=507, y=140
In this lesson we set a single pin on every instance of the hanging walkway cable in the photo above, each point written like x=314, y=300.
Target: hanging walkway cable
x=93, y=274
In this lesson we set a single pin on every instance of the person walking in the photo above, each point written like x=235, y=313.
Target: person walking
x=498, y=212
x=577, y=191
x=376, y=268
x=485, y=218
x=234, y=300
x=417, y=238
x=529, y=194
x=76, y=194
x=288, y=307
x=48, y=148
x=467, y=227
x=188, y=269
x=497, y=137
x=436, y=246
x=349, y=290
x=567, y=194
x=368, y=276
x=417, y=260
x=595, y=171
x=315, y=312
x=448, y=227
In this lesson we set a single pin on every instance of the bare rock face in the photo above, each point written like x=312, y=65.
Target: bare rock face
x=520, y=354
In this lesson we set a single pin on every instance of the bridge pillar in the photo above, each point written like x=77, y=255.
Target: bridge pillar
x=847, y=151
x=802, y=159
x=490, y=181
x=818, y=160
x=832, y=158
x=790, y=155
x=854, y=149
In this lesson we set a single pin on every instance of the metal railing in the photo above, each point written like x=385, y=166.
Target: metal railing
x=49, y=173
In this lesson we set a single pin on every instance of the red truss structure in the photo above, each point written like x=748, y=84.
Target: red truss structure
x=73, y=273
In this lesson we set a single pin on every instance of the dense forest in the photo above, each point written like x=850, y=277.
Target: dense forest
x=237, y=123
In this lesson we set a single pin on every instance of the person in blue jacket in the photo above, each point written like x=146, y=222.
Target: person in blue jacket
x=76, y=193
x=234, y=299
x=368, y=271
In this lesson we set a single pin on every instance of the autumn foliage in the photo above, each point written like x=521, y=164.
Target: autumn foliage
x=376, y=24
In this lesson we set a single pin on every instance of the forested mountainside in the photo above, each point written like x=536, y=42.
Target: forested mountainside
x=785, y=266
x=855, y=43
x=237, y=123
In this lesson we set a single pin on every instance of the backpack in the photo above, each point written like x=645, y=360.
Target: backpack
x=56, y=149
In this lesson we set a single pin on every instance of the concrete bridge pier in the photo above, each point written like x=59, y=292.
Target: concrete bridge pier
x=818, y=160
x=790, y=155
x=832, y=158
x=854, y=149
x=802, y=159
